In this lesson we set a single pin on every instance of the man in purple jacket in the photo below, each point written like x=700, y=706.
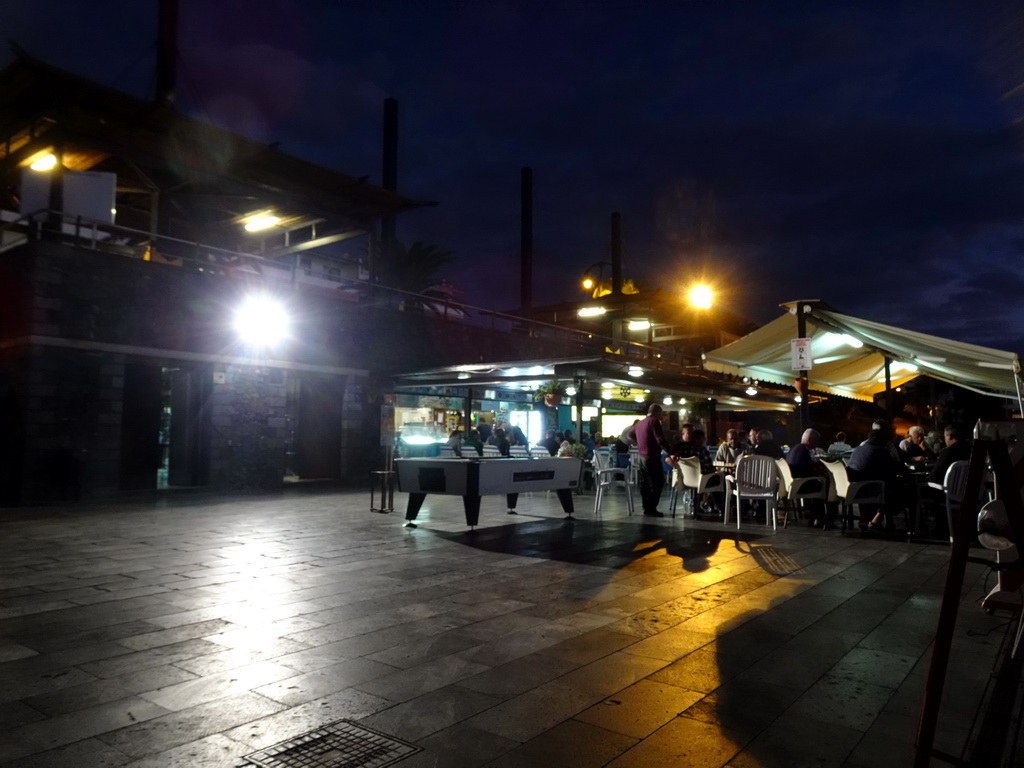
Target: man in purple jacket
x=650, y=441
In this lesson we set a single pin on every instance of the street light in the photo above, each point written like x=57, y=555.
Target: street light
x=701, y=296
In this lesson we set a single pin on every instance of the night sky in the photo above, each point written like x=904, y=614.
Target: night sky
x=867, y=154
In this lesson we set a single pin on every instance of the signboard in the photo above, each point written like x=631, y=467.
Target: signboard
x=800, y=354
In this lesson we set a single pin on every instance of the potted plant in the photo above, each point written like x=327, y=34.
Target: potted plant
x=550, y=393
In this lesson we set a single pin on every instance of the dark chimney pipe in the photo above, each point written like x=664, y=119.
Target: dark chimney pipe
x=526, y=241
x=616, y=254
x=389, y=172
x=167, y=53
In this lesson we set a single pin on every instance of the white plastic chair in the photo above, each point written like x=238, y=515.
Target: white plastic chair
x=955, y=486
x=755, y=477
x=793, y=490
x=607, y=476
x=540, y=453
x=850, y=494
x=491, y=452
x=634, y=465
x=518, y=451
x=686, y=476
x=447, y=452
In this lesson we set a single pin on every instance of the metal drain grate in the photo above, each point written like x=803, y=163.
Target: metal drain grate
x=343, y=744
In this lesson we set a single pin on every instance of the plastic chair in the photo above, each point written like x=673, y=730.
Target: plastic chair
x=447, y=452
x=608, y=476
x=955, y=485
x=686, y=475
x=518, y=451
x=540, y=453
x=850, y=494
x=793, y=490
x=755, y=477
x=634, y=465
x=491, y=452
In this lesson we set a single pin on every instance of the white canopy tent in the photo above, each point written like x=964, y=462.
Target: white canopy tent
x=849, y=356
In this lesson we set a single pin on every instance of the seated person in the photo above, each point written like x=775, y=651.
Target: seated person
x=500, y=441
x=914, y=447
x=455, y=441
x=803, y=463
x=840, y=447
x=588, y=444
x=550, y=441
x=766, y=445
x=731, y=449
x=878, y=459
x=473, y=443
x=957, y=449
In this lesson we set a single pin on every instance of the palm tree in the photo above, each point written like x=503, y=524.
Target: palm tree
x=414, y=269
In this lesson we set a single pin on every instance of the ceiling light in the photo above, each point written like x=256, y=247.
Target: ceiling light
x=667, y=400
x=606, y=385
x=635, y=371
x=260, y=222
x=751, y=391
x=570, y=391
x=607, y=394
x=44, y=163
x=639, y=398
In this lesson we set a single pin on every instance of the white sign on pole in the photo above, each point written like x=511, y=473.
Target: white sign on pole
x=800, y=354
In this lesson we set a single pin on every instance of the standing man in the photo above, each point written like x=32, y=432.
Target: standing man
x=650, y=441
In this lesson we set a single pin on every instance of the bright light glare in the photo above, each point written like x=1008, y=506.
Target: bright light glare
x=44, y=163
x=701, y=297
x=261, y=322
x=639, y=325
x=588, y=283
x=260, y=221
x=590, y=311
x=751, y=391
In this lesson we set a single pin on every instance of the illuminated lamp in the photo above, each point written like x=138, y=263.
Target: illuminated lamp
x=260, y=222
x=261, y=322
x=590, y=311
x=45, y=163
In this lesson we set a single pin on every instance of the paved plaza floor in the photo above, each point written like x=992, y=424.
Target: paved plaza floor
x=202, y=631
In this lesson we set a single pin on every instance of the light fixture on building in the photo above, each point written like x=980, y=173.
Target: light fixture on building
x=260, y=221
x=606, y=394
x=635, y=371
x=606, y=385
x=639, y=398
x=798, y=399
x=590, y=311
x=45, y=163
x=751, y=391
x=667, y=400
x=570, y=391
x=261, y=322
x=639, y=325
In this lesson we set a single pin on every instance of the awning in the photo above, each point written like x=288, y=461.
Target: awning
x=848, y=356
x=615, y=377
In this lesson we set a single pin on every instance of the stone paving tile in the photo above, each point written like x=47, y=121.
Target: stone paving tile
x=211, y=687
x=348, y=704
x=640, y=709
x=300, y=688
x=214, y=751
x=75, y=726
x=188, y=725
x=89, y=694
x=458, y=746
x=88, y=752
x=415, y=681
x=519, y=676
x=572, y=743
x=681, y=741
x=412, y=720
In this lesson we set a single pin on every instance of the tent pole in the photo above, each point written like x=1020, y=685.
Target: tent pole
x=888, y=389
x=804, y=407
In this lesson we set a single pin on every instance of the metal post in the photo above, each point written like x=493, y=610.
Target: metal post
x=804, y=408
